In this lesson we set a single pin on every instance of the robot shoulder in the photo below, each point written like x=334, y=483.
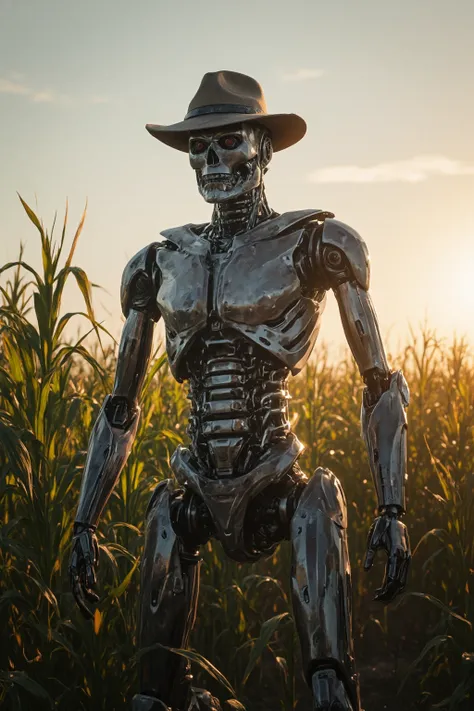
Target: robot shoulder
x=138, y=289
x=344, y=252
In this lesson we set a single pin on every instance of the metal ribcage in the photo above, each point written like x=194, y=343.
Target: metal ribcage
x=239, y=403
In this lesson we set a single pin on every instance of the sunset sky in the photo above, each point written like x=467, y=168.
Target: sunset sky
x=386, y=88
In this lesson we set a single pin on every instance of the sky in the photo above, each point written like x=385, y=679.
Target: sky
x=386, y=88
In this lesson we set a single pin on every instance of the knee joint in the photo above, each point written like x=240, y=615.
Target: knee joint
x=324, y=493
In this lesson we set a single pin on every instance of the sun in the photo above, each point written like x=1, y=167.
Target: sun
x=462, y=297
x=451, y=302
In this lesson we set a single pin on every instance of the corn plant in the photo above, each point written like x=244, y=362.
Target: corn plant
x=244, y=647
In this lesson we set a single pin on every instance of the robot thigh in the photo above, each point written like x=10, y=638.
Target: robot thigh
x=321, y=581
x=168, y=600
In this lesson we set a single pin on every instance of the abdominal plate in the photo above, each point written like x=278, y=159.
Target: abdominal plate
x=239, y=403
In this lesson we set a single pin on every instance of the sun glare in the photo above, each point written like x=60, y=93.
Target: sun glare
x=455, y=294
x=463, y=287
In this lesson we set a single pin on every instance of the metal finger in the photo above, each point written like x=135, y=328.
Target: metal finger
x=90, y=584
x=393, y=566
x=388, y=591
x=407, y=542
x=380, y=530
x=91, y=595
x=96, y=552
x=78, y=593
x=90, y=575
x=369, y=558
x=404, y=571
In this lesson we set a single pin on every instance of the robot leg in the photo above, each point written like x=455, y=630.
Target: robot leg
x=169, y=593
x=321, y=591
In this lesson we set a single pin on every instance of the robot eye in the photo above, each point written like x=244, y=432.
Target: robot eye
x=196, y=145
x=230, y=142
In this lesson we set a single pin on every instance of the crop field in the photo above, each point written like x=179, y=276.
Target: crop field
x=416, y=653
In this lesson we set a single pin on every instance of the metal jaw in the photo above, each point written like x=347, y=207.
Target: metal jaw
x=384, y=428
x=227, y=161
x=108, y=451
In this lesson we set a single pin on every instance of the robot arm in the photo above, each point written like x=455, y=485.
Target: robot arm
x=115, y=428
x=345, y=264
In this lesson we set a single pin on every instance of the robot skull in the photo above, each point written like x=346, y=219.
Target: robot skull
x=229, y=161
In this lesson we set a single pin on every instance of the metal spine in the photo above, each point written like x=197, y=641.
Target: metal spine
x=239, y=404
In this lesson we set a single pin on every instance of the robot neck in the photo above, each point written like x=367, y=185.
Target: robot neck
x=241, y=214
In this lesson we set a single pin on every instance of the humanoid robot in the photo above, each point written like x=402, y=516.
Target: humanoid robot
x=241, y=298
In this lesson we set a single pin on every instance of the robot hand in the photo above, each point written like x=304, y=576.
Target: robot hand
x=389, y=534
x=82, y=566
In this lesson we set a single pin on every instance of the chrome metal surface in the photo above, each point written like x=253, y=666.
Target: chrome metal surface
x=133, y=356
x=108, y=451
x=228, y=499
x=329, y=692
x=115, y=428
x=361, y=327
x=226, y=162
x=384, y=428
x=321, y=581
x=389, y=535
x=238, y=403
x=253, y=288
x=169, y=592
x=143, y=702
x=351, y=244
x=241, y=298
x=138, y=289
x=82, y=566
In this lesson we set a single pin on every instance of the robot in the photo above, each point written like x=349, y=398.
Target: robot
x=242, y=298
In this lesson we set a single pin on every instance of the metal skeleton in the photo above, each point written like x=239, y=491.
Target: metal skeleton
x=242, y=299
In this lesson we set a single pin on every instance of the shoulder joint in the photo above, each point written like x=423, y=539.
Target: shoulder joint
x=344, y=254
x=138, y=288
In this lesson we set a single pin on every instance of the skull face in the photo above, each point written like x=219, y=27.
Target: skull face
x=226, y=161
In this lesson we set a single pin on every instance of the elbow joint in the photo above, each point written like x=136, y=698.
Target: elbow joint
x=120, y=412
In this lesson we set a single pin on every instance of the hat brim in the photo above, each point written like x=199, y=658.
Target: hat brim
x=286, y=129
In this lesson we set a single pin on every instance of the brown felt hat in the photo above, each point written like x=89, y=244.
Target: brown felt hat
x=225, y=98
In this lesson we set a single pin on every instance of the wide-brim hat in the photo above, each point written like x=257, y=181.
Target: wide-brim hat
x=225, y=98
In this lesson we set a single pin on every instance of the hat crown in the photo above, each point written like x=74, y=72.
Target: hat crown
x=226, y=87
x=226, y=98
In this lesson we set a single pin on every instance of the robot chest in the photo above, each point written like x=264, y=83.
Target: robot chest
x=251, y=286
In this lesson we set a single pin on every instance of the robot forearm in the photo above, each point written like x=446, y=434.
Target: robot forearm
x=116, y=425
x=386, y=395
x=383, y=418
x=384, y=427
x=109, y=447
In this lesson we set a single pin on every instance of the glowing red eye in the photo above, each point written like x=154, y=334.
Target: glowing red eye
x=229, y=142
x=198, y=146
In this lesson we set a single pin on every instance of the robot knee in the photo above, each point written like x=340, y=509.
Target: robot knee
x=158, y=493
x=324, y=493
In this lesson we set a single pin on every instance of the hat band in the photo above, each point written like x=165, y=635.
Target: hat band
x=223, y=109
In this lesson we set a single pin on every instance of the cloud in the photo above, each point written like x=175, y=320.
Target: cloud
x=413, y=170
x=303, y=74
x=19, y=88
x=12, y=87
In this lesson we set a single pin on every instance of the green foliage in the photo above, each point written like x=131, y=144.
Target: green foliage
x=244, y=646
